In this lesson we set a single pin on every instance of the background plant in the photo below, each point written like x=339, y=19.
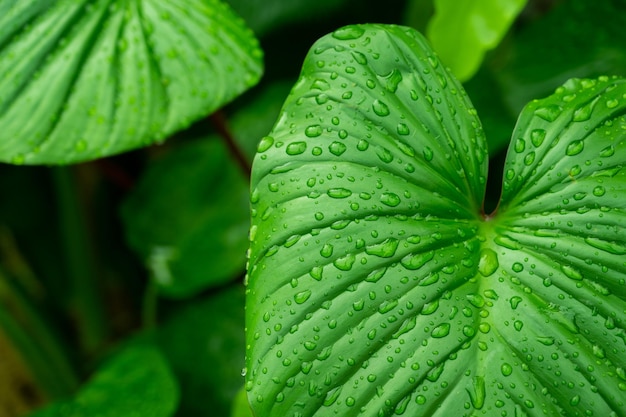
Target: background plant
x=85, y=291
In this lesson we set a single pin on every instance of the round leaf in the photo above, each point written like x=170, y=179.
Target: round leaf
x=85, y=79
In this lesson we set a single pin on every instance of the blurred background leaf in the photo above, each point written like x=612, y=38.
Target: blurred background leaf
x=134, y=382
x=203, y=340
x=188, y=218
x=461, y=32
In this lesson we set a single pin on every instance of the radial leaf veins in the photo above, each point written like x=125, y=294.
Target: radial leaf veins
x=377, y=287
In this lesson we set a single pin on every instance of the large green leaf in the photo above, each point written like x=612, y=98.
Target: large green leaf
x=376, y=283
x=135, y=382
x=461, y=32
x=85, y=79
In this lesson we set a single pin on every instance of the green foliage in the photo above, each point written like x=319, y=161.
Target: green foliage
x=137, y=381
x=378, y=285
x=111, y=76
x=121, y=278
x=461, y=32
x=174, y=229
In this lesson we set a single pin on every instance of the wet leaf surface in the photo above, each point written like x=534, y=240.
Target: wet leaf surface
x=377, y=286
x=85, y=79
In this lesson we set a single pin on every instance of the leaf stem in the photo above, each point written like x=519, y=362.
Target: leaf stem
x=218, y=120
x=84, y=299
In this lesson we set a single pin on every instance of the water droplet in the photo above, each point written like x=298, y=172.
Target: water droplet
x=546, y=340
x=390, y=199
x=518, y=325
x=584, y=113
x=345, y=263
x=476, y=300
x=488, y=263
x=392, y=80
x=549, y=113
x=609, y=247
x=296, y=148
x=599, y=191
x=575, y=400
x=402, y=129
x=309, y=345
x=517, y=267
x=320, y=84
x=302, y=296
x=319, y=215
x=506, y=369
x=332, y=395
x=313, y=131
x=348, y=33
x=574, y=148
x=337, y=148
x=359, y=57
x=477, y=392
x=608, y=151
x=612, y=103
x=572, y=273
x=441, y=330
x=265, y=143
x=362, y=145
x=380, y=108
x=529, y=158
x=316, y=273
x=385, y=249
x=327, y=250
x=537, y=136
x=358, y=305
x=434, y=374
x=339, y=193
x=428, y=154
x=414, y=262
x=515, y=300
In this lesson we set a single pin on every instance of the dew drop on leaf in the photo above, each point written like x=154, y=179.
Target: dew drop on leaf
x=337, y=148
x=537, y=136
x=380, y=108
x=574, y=148
x=390, y=199
x=549, y=113
x=385, y=249
x=339, y=193
x=296, y=148
x=348, y=33
x=572, y=273
x=302, y=296
x=488, y=263
x=265, y=143
x=313, y=131
x=506, y=369
x=345, y=263
x=441, y=330
x=477, y=392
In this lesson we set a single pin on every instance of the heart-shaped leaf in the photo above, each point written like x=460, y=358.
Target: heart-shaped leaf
x=85, y=79
x=377, y=285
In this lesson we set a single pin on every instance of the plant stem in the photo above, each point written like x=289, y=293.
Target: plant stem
x=84, y=299
x=219, y=122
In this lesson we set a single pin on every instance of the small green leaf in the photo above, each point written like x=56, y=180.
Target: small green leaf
x=461, y=32
x=84, y=79
x=188, y=217
x=376, y=284
x=135, y=382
